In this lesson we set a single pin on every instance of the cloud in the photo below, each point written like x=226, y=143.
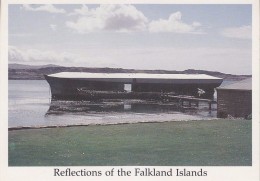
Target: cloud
x=47, y=8
x=53, y=27
x=81, y=11
x=174, y=24
x=119, y=18
x=243, y=32
x=126, y=18
x=33, y=55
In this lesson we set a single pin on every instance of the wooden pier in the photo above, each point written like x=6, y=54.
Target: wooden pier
x=166, y=97
x=190, y=99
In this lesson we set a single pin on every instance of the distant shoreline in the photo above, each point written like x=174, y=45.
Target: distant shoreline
x=28, y=72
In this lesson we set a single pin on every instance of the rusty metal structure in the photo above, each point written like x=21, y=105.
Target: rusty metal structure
x=72, y=85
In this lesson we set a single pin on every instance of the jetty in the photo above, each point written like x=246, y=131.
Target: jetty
x=182, y=99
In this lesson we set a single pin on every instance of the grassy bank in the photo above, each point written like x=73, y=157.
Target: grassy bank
x=192, y=143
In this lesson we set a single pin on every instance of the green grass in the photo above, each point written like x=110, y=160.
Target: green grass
x=191, y=143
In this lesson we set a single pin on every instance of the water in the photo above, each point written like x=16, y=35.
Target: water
x=30, y=105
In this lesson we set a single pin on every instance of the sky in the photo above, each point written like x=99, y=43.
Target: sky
x=143, y=36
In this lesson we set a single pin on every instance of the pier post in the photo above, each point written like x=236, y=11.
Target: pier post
x=197, y=103
x=209, y=105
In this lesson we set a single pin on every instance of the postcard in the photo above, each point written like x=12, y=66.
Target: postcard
x=130, y=90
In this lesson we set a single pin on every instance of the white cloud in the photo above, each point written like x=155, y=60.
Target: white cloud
x=81, y=11
x=126, y=18
x=174, y=24
x=53, y=27
x=243, y=32
x=47, y=8
x=119, y=18
x=33, y=55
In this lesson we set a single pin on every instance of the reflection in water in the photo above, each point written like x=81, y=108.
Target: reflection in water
x=28, y=102
x=135, y=106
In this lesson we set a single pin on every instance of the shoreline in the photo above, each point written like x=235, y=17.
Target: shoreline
x=120, y=123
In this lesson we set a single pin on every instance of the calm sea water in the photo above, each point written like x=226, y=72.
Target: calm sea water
x=30, y=105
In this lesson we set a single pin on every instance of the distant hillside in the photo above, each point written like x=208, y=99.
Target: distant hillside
x=22, y=66
x=29, y=72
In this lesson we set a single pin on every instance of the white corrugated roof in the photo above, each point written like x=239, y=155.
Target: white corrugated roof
x=82, y=75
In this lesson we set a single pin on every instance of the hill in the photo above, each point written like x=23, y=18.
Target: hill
x=22, y=66
x=31, y=72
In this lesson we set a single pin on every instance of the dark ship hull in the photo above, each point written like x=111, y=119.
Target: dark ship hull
x=79, y=88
